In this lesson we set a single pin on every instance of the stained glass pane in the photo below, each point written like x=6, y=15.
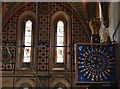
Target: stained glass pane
x=27, y=50
x=60, y=42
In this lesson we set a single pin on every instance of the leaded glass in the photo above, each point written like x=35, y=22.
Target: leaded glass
x=27, y=50
x=60, y=42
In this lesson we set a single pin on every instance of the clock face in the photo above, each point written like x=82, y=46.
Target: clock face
x=96, y=63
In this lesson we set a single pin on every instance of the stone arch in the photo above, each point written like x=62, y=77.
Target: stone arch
x=25, y=82
x=58, y=82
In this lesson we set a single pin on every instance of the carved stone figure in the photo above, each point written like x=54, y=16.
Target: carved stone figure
x=95, y=26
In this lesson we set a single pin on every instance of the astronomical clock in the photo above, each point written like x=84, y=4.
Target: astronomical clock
x=95, y=63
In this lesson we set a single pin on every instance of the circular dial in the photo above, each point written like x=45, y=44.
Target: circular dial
x=95, y=63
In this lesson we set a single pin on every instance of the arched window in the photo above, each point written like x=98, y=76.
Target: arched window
x=27, y=41
x=26, y=56
x=60, y=42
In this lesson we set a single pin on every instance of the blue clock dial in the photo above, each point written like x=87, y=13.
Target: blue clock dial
x=96, y=63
